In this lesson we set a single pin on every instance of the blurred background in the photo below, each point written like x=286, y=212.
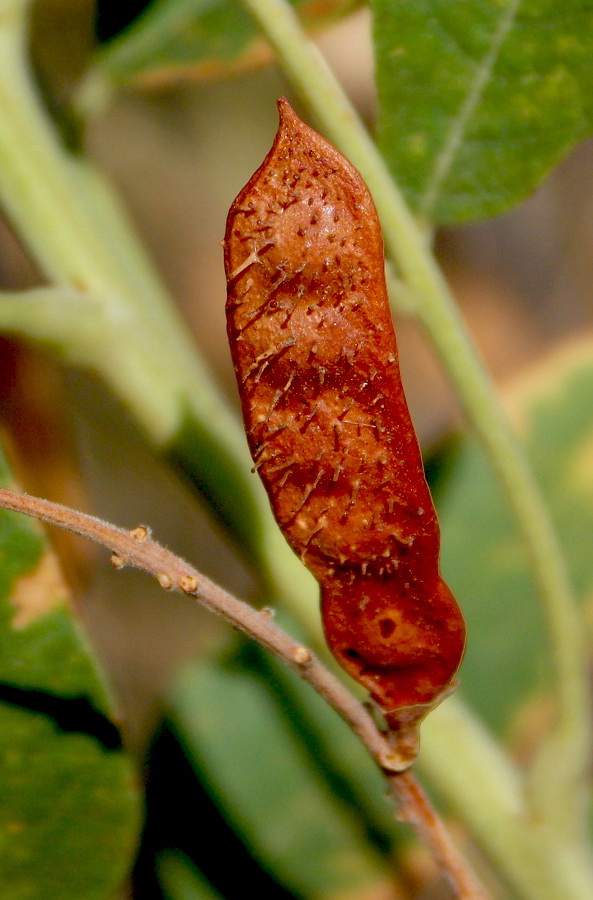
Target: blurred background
x=524, y=282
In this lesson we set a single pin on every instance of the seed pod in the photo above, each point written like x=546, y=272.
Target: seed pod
x=327, y=422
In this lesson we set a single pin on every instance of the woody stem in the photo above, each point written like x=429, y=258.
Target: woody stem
x=138, y=549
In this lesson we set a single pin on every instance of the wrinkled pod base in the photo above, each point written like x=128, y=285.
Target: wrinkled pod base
x=404, y=646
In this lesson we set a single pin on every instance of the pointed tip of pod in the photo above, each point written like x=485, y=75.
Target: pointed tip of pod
x=285, y=112
x=290, y=124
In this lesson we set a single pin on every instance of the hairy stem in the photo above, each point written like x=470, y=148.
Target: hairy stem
x=415, y=808
x=560, y=772
x=543, y=863
x=138, y=549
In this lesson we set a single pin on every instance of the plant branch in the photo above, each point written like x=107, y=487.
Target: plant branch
x=137, y=548
x=416, y=809
x=542, y=862
x=559, y=774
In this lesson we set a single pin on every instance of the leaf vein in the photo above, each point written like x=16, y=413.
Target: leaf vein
x=445, y=159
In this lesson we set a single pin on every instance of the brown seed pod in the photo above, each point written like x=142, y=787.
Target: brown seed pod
x=327, y=422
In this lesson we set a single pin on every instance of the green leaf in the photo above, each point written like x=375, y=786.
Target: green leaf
x=268, y=786
x=478, y=100
x=208, y=36
x=69, y=805
x=507, y=659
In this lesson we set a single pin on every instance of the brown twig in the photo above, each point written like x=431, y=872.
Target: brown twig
x=136, y=548
x=415, y=808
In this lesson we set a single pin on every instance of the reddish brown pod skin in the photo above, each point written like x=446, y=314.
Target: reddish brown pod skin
x=327, y=422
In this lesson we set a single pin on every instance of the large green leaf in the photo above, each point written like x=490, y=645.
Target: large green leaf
x=69, y=805
x=208, y=36
x=479, y=99
x=507, y=658
x=309, y=836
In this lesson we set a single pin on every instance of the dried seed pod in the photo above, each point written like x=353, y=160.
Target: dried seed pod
x=327, y=422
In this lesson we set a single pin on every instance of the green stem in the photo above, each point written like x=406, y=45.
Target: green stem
x=559, y=777
x=116, y=319
x=538, y=858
